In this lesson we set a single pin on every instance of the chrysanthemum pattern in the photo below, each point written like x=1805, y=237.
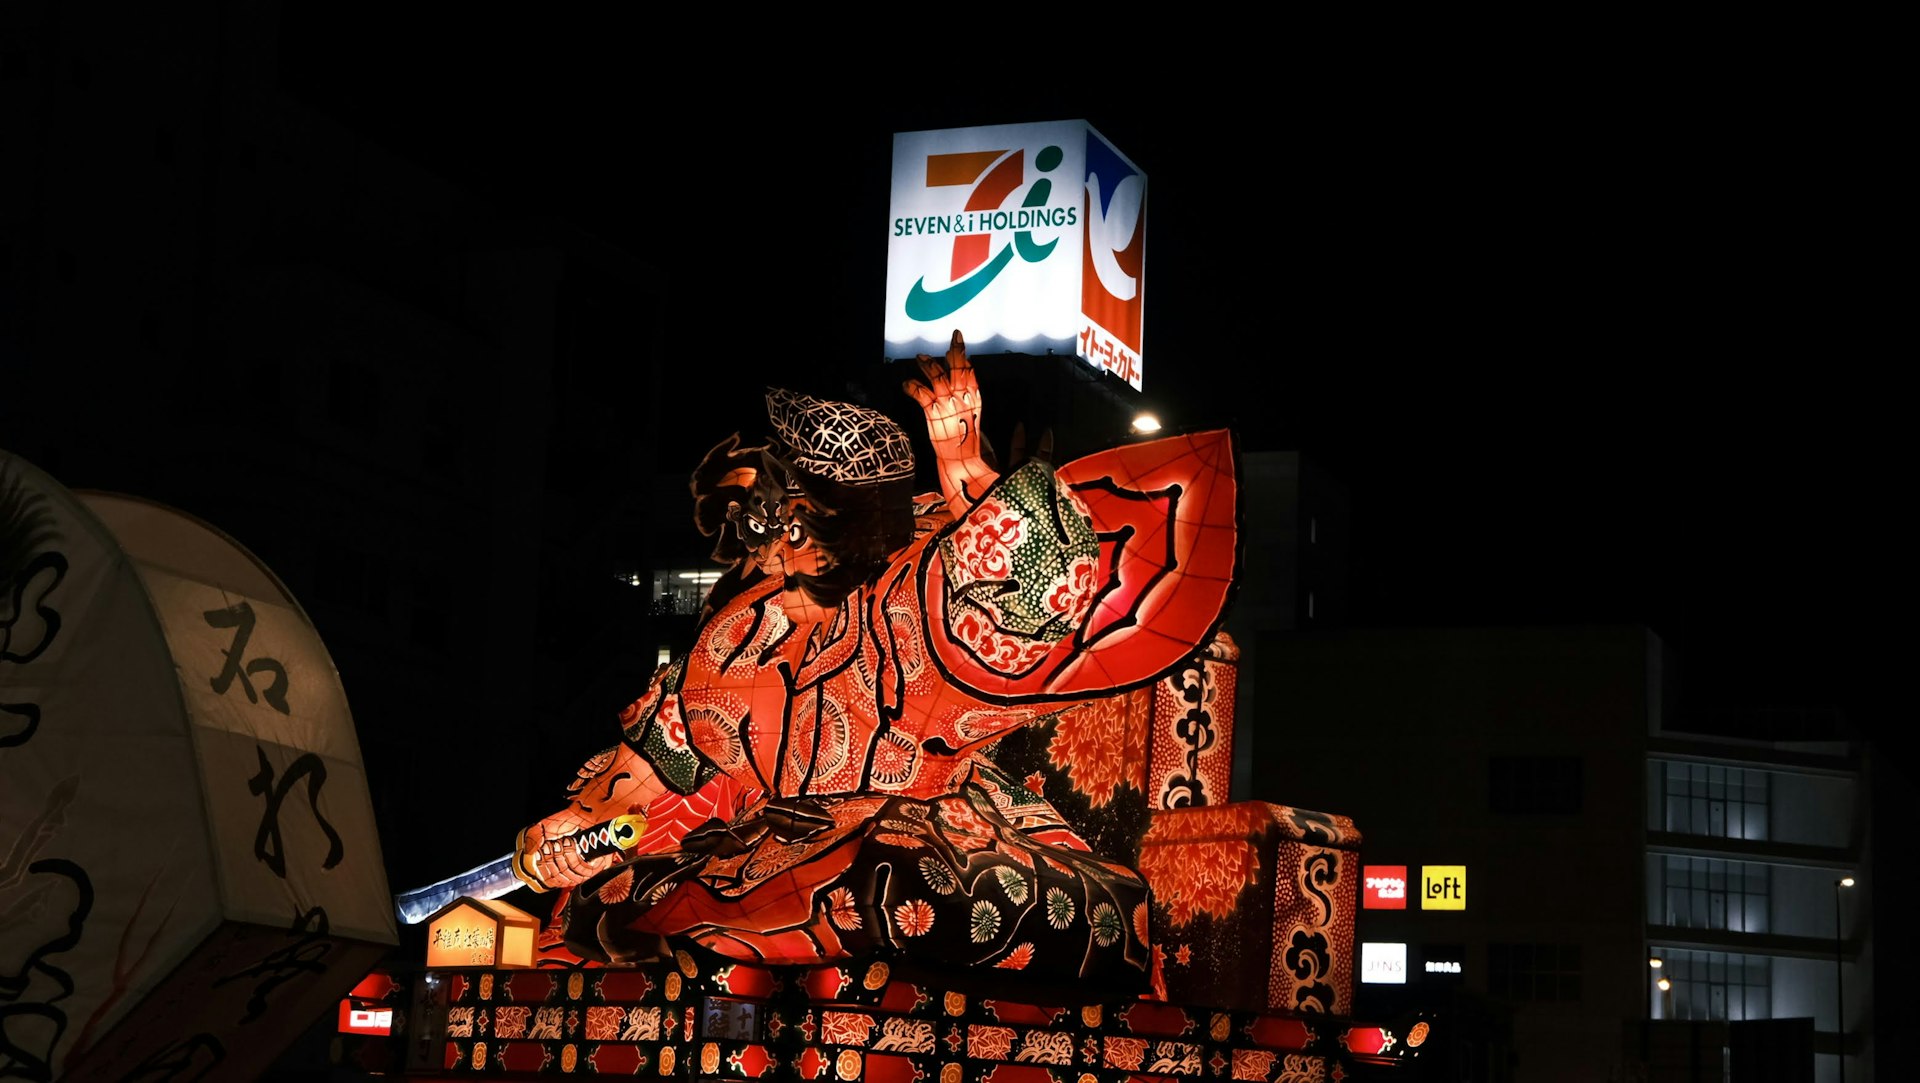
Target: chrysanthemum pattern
x=1107, y=927
x=913, y=917
x=1060, y=908
x=938, y=876
x=842, y=909
x=617, y=889
x=1011, y=882
x=985, y=924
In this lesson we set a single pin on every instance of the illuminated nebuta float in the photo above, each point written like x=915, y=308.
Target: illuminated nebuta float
x=813, y=773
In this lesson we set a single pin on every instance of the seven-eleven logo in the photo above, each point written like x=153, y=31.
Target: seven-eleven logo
x=994, y=175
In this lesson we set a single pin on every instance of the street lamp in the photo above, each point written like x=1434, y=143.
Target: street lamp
x=1840, y=978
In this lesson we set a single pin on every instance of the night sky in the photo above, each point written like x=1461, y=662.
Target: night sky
x=1586, y=337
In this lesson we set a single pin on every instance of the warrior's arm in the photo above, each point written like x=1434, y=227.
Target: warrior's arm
x=620, y=780
x=950, y=397
x=612, y=783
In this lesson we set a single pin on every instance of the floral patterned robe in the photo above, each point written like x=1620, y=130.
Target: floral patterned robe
x=1053, y=590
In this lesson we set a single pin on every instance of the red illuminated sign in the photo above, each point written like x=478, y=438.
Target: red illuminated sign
x=1383, y=887
x=356, y=1020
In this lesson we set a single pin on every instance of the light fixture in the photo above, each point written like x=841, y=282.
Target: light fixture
x=1846, y=881
x=1656, y=962
x=1665, y=985
x=1146, y=423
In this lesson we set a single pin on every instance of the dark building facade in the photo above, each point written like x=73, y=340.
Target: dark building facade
x=1594, y=834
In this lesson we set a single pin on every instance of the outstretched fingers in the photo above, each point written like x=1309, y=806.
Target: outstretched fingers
x=957, y=354
x=948, y=391
x=919, y=392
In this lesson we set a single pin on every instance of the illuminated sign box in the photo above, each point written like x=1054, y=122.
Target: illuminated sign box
x=1443, y=963
x=1028, y=238
x=1383, y=964
x=480, y=932
x=364, y=1019
x=1443, y=887
x=1383, y=887
x=363, y=1011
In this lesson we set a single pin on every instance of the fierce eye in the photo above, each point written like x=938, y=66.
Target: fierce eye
x=754, y=525
x=794, y=534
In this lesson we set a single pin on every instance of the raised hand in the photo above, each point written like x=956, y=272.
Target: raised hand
x=950, y=397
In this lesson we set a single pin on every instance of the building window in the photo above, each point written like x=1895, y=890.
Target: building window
x=1710, y=893
x=1722, y=802
x=682, y=591
x=1545, y=973
x=1714, y=985
x=1518, y=785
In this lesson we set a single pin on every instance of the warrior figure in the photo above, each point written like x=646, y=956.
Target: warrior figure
x=809, y=770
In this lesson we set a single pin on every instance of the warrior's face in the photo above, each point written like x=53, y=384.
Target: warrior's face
x=772, y=526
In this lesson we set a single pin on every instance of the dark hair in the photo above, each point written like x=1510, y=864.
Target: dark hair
x=710, y=497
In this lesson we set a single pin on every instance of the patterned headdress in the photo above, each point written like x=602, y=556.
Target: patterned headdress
x=844, y=443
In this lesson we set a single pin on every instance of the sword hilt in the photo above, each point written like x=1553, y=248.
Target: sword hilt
x=618, y=835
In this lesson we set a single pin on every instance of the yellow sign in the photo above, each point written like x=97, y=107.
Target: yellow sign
x=1443, y=887
x=480, y=932
x=466, y=937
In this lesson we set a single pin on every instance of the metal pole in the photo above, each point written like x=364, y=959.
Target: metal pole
x=1839, y=984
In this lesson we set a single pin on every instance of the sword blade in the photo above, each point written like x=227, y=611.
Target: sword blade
x=496, y=878
x=488, y=881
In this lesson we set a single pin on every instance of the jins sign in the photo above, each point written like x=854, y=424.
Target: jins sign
x=1383, y=964
x=1383, y=887
x=1027, y=238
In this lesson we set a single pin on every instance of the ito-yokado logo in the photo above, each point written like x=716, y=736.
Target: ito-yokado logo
x=1113, y=261
x=992, y=176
